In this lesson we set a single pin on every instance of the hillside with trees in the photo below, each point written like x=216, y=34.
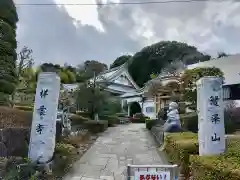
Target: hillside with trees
x=154, y=58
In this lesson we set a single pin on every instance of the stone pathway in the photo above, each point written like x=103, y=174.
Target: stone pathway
x=114, y=149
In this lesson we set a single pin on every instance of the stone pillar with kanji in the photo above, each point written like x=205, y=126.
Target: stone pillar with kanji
x=210, y=108
x=43, y=131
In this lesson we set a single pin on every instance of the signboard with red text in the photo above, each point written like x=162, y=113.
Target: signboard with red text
x=148, y=175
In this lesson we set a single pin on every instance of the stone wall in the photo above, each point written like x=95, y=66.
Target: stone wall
x=14, y=142
x=157, y=132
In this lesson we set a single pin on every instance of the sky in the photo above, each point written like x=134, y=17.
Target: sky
x=72, y=34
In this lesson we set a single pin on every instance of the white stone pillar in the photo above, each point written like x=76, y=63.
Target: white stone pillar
x=211, y=132
x=129, y=109
x=43, y=131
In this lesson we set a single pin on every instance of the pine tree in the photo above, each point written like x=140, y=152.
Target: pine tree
x=8, y=45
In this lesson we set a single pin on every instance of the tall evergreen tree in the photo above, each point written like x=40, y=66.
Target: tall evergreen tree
x=8, y=45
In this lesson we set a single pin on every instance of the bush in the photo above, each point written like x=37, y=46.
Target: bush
x=65, y=155
x=112, y=120
x=182, y=149
x=72, y=109
x=96, y=126
x=138, y=118
x=111, y=107
x=24, y=108
x=4, y=99
x=231, y=122
x=122, y=114
x=64, y=149
x=151, y=123
x=76, y=140
x=11, y=117
x=77, y=119
x=190, y=122
x=180, y=144
x=224, y=167
x=182, y=107
x=178, y=147
x=83, y=114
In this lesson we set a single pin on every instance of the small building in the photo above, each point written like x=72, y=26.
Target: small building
x=229, y=65
x=167, y=90
x=119, y=82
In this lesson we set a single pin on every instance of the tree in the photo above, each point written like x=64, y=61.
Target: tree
x=63, y=77
x=91, y=98
x=120, y=61
x=222, y=54
x=174, y=68
x=71, y=76
x=189, y=79
x=49, y=67
x=66, y=73
x=8, y=44
x=86, y=70
x=153, y=59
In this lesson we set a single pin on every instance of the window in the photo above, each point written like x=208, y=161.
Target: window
x=149, y=109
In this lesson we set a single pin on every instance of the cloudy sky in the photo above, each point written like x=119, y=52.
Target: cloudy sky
x=73, y=34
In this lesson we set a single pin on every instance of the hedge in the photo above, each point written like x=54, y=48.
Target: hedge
x=24, y=108
x=190, y=123
x=178, y=144
x=96, y=126
x=138, y=118
x=83, y=114
x=122, y=114
x=224, y=167
x=150, y=123
x=11, y=117
x=112, y=120
x=182, y=149
x=77, y=120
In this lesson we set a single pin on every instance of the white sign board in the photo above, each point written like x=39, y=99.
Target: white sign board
x=211, y=132
x=148, y=175
x=43, y=131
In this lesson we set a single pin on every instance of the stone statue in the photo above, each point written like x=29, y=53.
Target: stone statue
x=173, y=123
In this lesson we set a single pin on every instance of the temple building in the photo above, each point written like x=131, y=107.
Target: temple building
x=119, y=82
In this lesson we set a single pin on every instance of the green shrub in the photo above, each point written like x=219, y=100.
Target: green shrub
x=72, y=109
x=4, y=99
x=138, y=118
x=182, y=107
x=24, y=108
x=96, y=126
x=64, y=149
x=83, y=114
x=150, y=123
x=190, y=122
x=230, y=122
x=77, y=119
x=178, y=148
x=182, y=149
x=122, y=114
x=112, y=120
x=224, y=167
x=65, y=155
x=111, y=107
x=180, y=144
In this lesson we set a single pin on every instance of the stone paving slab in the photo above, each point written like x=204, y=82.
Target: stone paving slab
x=108, y=157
